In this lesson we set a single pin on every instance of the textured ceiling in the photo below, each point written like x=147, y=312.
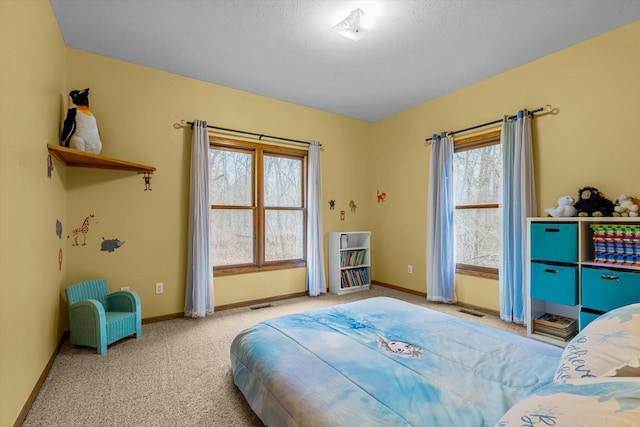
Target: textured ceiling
x=286, y=49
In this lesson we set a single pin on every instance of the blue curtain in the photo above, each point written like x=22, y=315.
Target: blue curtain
x=316, y=283
x=440, y=226
x=199, y=295
x=518, y=203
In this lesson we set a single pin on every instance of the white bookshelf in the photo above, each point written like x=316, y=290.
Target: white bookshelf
x=349, y=261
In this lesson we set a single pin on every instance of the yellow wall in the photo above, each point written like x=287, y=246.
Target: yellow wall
x=32, y=78
x=591, y=141
x=594, y=86
x=136, y=108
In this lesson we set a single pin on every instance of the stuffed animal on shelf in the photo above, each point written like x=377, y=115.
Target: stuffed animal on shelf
x=626, y=206
x=80, y=130
x=565, y=208
x=592, y=203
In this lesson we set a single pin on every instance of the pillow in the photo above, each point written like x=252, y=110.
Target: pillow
x=612, y=402
x=609, y=346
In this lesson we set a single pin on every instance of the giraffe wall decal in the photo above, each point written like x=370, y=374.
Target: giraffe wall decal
x=83, y=229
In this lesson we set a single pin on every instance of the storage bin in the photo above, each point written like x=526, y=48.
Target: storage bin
x=555, y=283
x=586, y=318
x=605, y=289
x=554, y=242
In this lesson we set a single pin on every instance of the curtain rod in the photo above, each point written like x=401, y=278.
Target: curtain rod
x=546, y=108
x=259, y=135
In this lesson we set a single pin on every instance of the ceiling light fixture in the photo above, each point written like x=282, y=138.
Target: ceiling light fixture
x=354, y=24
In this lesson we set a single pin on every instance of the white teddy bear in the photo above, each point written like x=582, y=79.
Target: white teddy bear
x=565, y=208
x=625, y=206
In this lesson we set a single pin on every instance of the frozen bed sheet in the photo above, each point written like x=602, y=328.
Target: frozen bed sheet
x=385, y=362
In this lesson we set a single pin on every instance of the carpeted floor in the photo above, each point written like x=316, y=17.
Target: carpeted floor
x=178, y=373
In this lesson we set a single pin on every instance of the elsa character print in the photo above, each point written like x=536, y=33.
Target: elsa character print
x=400, y=348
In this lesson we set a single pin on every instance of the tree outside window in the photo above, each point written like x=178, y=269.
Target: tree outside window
x=258, y=206
x=477, y=174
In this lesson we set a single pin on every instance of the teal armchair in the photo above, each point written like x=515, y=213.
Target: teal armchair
x=98, y=318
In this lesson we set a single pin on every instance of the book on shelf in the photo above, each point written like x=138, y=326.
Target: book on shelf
x=555, y=321
x=344, y=241
x=555, y=326
x=352, y=258
x=557, y=332
x=556, y=337
x=355, y=277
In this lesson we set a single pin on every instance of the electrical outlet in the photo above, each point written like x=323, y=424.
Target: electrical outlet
x=159, y=288
x=410, y=269
x=124, y=288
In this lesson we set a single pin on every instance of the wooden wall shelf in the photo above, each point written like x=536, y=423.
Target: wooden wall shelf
x=77, y=158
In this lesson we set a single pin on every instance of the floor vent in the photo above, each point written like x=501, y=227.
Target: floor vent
x=258, y=307
x=472, y=313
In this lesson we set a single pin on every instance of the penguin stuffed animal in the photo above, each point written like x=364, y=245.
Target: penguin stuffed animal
x=80, y=130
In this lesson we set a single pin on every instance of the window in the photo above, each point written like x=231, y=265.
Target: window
x=258, y=206
x=477, y=174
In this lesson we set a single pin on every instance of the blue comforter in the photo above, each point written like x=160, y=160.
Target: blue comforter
x=385, y=362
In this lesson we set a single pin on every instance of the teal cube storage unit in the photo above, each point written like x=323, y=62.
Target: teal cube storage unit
x=579, y=268
x=554, y=242
x=605, y=289
x=555, y=283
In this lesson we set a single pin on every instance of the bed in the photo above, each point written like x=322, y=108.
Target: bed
x=386, y=362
